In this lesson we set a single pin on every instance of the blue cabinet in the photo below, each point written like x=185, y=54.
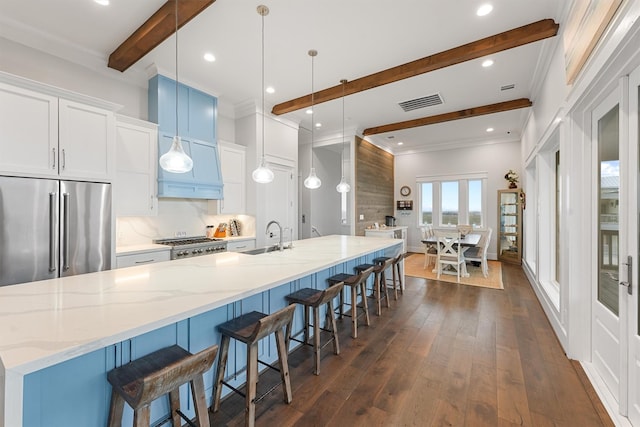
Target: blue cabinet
x=197, y=129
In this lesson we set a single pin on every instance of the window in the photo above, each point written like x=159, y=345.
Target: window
x=446, y=201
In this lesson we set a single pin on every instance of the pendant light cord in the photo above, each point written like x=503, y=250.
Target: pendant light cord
x=262, y=13
x=342, y=161
x=313, y=54
x=176, y=67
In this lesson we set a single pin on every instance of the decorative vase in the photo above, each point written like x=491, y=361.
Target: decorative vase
x=513, y=184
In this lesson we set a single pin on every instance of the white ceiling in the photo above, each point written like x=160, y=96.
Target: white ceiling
x=353, y=38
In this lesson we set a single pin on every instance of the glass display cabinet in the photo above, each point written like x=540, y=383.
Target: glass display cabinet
x=510, y=225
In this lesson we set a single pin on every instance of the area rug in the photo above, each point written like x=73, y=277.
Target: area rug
x=414, y=266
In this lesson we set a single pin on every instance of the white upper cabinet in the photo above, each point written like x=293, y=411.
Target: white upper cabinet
x=232, y=164
x=28, y=132
x=86, y=141
x=51, y=133
x=136, y=159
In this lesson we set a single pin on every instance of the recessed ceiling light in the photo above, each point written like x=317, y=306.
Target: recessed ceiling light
x=489, y=129
x=209, y=57
x=309, y=111
x=487, y=63
x=318, y=125
x=270, y=89
x=102, y=2
x=400, y=143
x=483, y=10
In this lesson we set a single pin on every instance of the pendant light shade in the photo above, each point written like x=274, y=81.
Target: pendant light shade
x=176, y=160
x=262, y=174
x=343, y=186
x=312, y=181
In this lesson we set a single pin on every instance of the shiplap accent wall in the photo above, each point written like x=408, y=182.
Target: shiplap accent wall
x=374, y=184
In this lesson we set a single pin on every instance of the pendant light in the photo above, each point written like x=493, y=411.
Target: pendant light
x=176, y=160
x=262, y=174
x=343, y=186
x=312, y=181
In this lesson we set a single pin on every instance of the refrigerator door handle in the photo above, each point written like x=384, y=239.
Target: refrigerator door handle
x=65, y=239
x=52, y=231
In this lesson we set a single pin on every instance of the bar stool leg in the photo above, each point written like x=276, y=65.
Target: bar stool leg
x=222, y=364
x=383, y=285
x=306, y=325
x=284, y=366
x=142, y=416
x=116, y=409
x=400, y=278
x=200, y=402
x=354, y=310
x=174, y=403
x=334, y=329
x=395, y=289
x=316, y=339
x=363, y=289
x=252, y=375
x=376, y=293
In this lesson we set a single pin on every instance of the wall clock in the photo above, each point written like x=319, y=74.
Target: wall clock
x=405, y=191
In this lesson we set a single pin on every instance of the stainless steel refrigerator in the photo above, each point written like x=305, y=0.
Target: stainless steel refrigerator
x=52, y=228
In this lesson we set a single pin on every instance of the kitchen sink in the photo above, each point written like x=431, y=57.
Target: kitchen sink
x=263, y=250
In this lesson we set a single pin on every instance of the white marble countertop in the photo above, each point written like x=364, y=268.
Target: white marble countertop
x=46, y=322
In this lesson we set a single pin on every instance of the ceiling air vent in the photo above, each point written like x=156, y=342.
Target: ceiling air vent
x=507, y=87
x=425, y=101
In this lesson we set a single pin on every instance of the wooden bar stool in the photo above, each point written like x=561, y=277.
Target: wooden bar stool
x=387, y=262
x=355, y=282
x=315, y=298
x=250, y=328
x=143, y=380
x=397, y=267
x=379, y=285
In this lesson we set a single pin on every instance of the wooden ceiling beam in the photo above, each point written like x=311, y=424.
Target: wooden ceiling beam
x=447, y=117
x=159, y=27
x=497, y=43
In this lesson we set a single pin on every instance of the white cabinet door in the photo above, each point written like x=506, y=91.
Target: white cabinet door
x=28, y=131
x=136, y=160
x=232, y=163
x=86, y=143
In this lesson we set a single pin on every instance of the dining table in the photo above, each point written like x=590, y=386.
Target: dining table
x=467, y=241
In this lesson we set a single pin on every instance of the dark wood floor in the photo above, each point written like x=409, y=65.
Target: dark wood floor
x=443, y=355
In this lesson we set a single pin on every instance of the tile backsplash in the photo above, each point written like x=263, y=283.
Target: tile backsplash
x=175, y=217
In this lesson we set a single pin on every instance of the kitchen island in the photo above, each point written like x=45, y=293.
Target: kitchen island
x=59, y=337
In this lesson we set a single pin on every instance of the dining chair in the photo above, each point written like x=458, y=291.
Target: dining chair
x=464, y=229
x=479, y=252
x=430, y=251
x=450, y=253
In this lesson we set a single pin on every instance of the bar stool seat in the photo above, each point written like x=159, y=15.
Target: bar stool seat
x=355, y=282
x=379, y=286
x=144, y=380
x=250, y=328
x=315, y=298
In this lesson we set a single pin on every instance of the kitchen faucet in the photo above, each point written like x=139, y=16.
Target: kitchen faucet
x=280, y=245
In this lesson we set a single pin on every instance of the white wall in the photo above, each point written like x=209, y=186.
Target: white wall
x=494, y=159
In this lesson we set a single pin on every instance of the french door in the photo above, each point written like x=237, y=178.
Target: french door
x=615, y=324
x=633, y=299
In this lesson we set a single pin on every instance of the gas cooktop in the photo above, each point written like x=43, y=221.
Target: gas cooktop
x=186, y=247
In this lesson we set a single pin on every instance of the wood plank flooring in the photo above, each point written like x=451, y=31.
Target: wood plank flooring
x=442, y=355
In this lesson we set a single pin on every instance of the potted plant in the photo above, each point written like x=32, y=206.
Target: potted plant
x=512, y=177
